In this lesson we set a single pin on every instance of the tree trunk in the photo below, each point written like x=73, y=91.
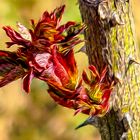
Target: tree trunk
x=110, y=41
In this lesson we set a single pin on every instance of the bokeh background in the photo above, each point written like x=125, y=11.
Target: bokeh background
x=36, y=116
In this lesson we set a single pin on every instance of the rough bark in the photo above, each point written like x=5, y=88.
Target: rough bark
x=110, y=41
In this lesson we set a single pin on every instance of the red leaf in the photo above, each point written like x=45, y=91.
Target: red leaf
x=5, y=53
x=94, y=71
x=106, y=96
x=77, y=111
x=59, y=69
x=15, y=37
x=85, y=78
x=103, y=74
x=27, y=81
x=73, y=31
x=71, y=63
x=57, y=13
x=12, y=75
x=45, y=17
x=64, y=27
x=7, y=62
x=62, y=101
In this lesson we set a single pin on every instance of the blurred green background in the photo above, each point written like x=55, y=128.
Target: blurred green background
x=36, y=116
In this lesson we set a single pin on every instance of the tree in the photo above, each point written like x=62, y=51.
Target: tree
x=47, y=54
x=110, y=40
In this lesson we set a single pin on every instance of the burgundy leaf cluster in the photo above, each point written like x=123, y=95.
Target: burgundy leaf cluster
x=46, y=52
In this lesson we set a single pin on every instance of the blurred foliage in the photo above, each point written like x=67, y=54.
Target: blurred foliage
x=36, y=116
